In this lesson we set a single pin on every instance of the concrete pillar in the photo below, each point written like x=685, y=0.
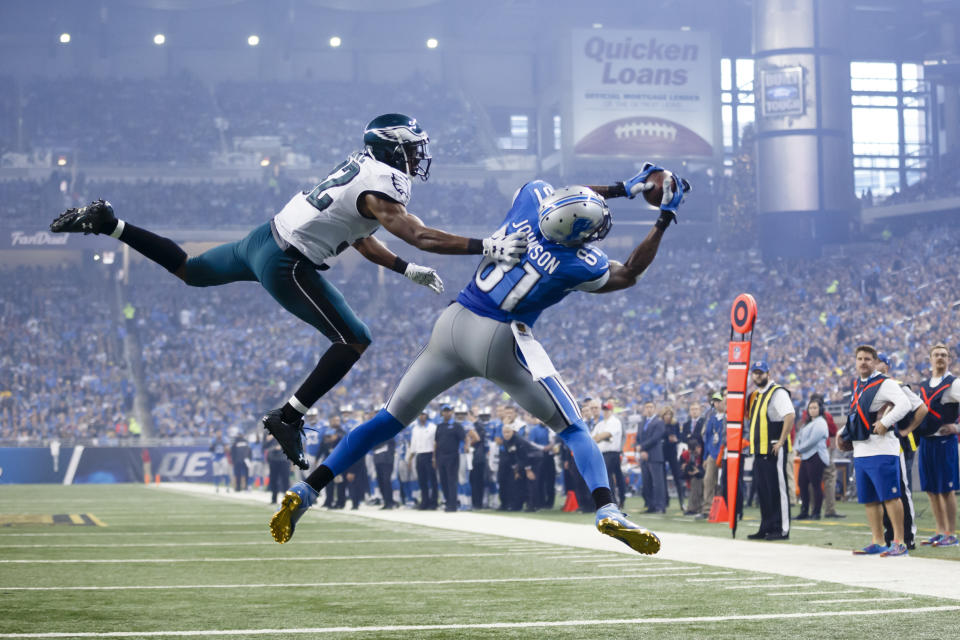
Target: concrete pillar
x=950, y=124
x=804, y=160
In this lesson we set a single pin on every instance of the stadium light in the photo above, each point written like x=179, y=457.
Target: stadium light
x=432, y=43
x=159, y=39
x=335, y=42
x=64, y=38
x=253, y=40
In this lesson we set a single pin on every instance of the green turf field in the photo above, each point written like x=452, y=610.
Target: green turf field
x=168, y=564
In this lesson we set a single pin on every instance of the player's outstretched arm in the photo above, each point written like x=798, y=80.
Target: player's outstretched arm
x=397, y=220
x=625, y=275
x=378, y=253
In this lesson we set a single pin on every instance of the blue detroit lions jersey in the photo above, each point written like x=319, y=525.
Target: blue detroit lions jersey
x=547, y=273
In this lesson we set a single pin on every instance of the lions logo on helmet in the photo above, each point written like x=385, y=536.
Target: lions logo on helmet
x=399, y=141
x=574, y=216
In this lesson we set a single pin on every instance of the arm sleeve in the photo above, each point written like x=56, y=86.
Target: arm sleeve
x=915, y=400
x=953, y=393
x=890, y=391
x=780, y=406
x=593, y=285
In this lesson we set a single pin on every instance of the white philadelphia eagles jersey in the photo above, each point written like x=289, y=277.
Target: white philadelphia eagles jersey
x=324, y=222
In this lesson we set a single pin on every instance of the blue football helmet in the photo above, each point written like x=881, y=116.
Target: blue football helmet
x=399, y=141
x=574, y=216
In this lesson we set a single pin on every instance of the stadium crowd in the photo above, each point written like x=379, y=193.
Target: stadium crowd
x=234, y=204
x=180, y=121
x=658, y=340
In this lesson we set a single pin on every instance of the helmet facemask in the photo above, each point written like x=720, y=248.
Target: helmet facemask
x=414, y=154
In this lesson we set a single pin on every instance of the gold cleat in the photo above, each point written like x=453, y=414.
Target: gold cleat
x=283, y=521
x=637, y=538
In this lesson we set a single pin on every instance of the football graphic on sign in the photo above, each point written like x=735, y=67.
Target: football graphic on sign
x=643, y=135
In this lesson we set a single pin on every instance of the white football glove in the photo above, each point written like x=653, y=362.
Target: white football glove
x=508, y=250
x=424, y=275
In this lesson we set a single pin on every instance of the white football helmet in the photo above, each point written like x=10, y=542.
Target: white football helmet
x=574, y=215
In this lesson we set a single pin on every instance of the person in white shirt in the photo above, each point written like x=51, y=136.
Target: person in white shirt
x=908, y=447
x=876, y=450
x=423, y=442
x=608, y=434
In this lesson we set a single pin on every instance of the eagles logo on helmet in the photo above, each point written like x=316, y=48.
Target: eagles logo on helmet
x=574, y=216
x=399, y=141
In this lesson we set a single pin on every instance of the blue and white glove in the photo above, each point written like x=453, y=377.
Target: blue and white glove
x=674, y=190
x=424, y=275
x=507, y=250
x=637, y=184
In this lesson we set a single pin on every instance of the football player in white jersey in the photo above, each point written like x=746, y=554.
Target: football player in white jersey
x=368, y=190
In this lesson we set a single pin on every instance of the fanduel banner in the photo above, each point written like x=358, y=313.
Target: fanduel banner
x=33, y=239
x=644, y=93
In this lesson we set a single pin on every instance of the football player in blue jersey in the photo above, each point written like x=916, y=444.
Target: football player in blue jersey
x=370, y=189
x=486, y=333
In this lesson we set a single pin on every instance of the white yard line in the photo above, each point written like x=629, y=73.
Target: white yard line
x=299, y=585
x=277, y=633
x=916, y=576
x=771, y=586
x=398, y=556
x=249, y=543
x=856, y=600
x=813, y=593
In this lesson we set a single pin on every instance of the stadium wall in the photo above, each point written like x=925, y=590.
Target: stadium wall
x=103, y=465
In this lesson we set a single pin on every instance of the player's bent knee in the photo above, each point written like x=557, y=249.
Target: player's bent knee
x=362, y=337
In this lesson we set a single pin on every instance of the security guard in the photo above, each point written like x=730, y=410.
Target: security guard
x=771, y=420
x=383, y=456
x=279, y=471
x=520, y=458
x=450, y=434
x=479, y=471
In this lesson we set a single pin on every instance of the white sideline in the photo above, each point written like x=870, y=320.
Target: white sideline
x=277, y=633
x=916, y=576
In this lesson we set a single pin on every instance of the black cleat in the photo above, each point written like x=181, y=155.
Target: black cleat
x=288, y=434
x=85, y=220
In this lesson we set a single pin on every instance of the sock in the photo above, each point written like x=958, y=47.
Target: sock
x=380, y=428
x=163, y=251
x=601, y=496
x=321, y=477
x=587, y=456
x=335, y=363
x=292, y=410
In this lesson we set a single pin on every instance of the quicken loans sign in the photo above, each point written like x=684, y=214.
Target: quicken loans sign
x=643, y=93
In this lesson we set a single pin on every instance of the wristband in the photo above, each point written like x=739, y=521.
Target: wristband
x=474, y=246
x=664, y=220
x=399, y=265
x=617, y=190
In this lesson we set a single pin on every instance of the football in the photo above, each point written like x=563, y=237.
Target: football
x=644, y=136
x=655, y=196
